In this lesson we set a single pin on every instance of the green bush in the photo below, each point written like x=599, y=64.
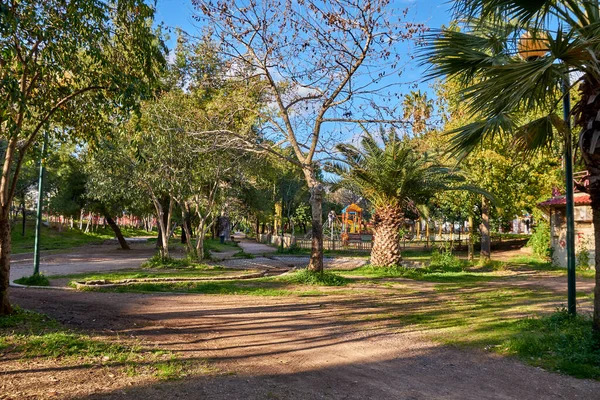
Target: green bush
x=33, y=280
x=157, y=261
x=293, y=249
x=540, y=240
x=443, y=260
x=306, y=277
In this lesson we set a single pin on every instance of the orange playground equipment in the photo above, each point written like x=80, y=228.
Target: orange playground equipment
x=352, y=219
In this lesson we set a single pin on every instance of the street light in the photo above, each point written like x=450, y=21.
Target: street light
x=38, y=220
x=530, y=48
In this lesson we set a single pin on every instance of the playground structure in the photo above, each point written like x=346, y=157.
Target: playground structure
x=352, y=219
x=346, y=227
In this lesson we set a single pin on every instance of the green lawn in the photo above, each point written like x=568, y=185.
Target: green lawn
x=52, y=239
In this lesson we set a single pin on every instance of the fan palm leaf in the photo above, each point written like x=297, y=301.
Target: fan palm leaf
x=499, y=84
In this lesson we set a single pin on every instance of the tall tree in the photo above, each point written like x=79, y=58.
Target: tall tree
x=502, y=76
x=318, y=64
x=62, y=62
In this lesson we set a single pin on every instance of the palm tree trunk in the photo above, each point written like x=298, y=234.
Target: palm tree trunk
x=586, y=118
x=386, y=245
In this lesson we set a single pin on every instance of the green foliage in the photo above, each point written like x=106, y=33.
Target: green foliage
x=158, y=261
x=442, y=259
x=293, y=249
x=540, y=240
x=583, y=254
x=33, y=280
x=395, y=175
x=559, y=342
x=306, y=277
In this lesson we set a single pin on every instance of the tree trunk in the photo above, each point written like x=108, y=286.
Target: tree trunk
x=117, y=231
x=386, y=245
x=24, y=218
x=471, y=246
x=486, y=244
x=257, y=226
x=186, y=234
x=5, y=243
x=81, y=219
x=202, y=230
x=316, y=254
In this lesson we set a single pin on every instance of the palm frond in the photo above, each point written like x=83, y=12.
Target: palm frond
x=523, y=11
x=538, y=134
x=466, y=138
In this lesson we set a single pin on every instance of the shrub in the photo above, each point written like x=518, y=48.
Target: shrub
x=442, y=259
x=540, y=240
x=157, y=261
x=293, y=249
x=306, y=277
x=33, y=280
x=583, y=255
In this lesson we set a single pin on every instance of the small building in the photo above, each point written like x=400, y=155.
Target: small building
x=556, y=208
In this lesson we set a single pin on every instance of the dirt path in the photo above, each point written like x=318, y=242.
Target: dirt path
x=90, y=258
x=255, y=248
x=285, y=348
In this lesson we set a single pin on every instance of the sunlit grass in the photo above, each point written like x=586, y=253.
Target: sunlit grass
x=52, y=239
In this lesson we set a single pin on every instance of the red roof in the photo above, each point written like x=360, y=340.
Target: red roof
x=580, y=199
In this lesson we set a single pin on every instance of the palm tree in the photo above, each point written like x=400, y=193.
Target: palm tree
x=501, y=82
x=394, y=178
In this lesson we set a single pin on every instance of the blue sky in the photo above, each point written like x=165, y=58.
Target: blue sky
x=434, y=13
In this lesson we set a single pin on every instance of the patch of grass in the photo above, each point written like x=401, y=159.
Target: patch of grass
x=558, y=342
x=52, y=239
x=537, y=263
x=233, y=287
x=243, y=254
x=306, y=277
x=500, y=319
x=433, y=273
x=171, y=370
x=33, y=280
x=31, y=334
x=137, y=274
x=157, y=261
x=218, y=247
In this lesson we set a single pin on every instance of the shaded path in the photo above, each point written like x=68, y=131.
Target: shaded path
x=298, y=348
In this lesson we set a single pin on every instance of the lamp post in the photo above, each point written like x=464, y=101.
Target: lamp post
x=531, y=48
x=38, y=222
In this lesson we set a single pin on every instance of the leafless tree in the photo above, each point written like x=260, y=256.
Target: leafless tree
x=319, y=65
